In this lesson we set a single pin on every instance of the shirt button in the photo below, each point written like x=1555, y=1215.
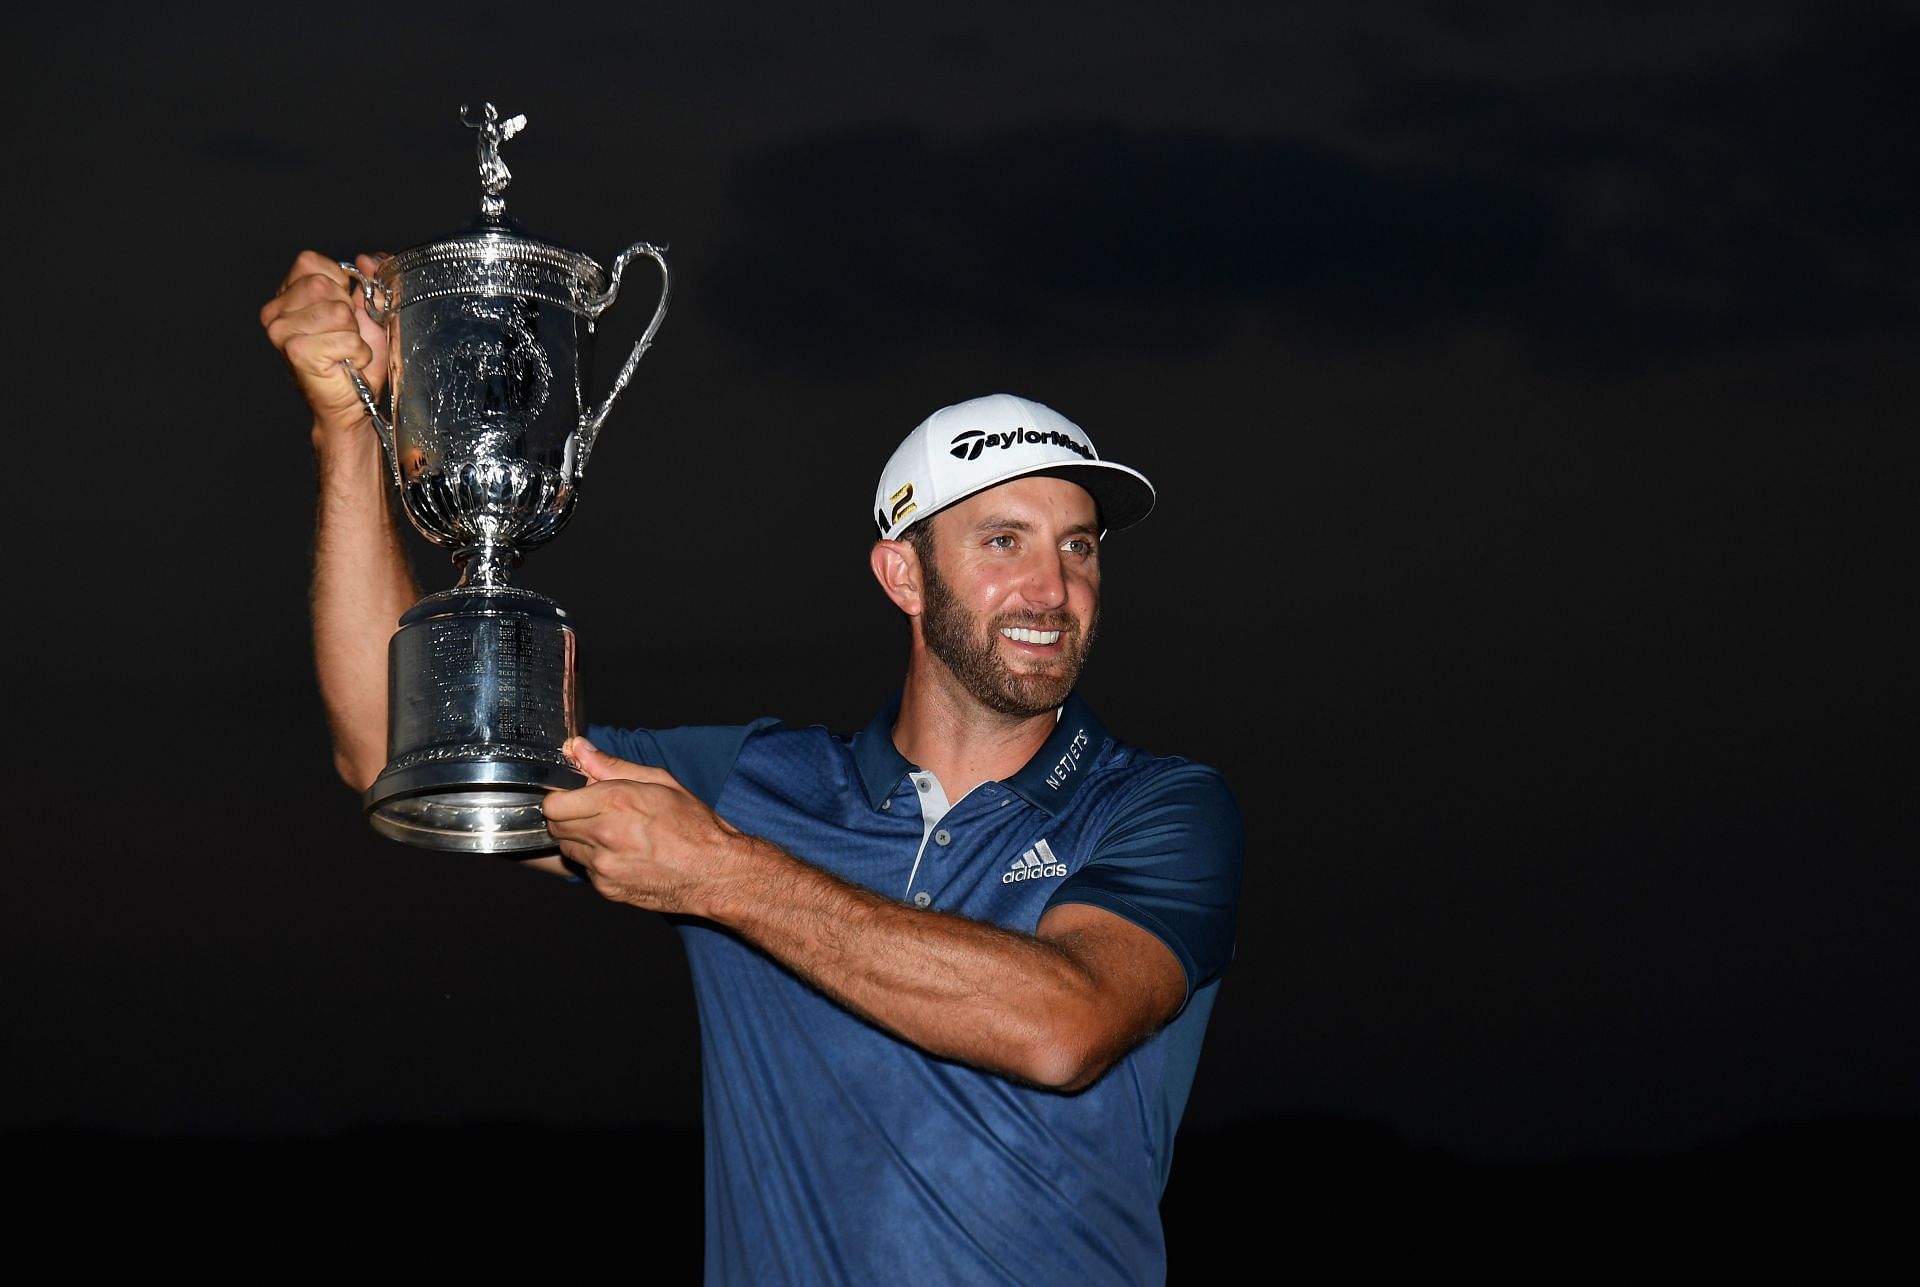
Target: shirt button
x=886, y=804
x=922, y=898
x=924, y=785
x=942, y=837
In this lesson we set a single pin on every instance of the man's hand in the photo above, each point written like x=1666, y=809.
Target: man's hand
x=642, y=838
x=317, y=319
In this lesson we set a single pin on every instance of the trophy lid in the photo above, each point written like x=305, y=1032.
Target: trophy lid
x=493, y=254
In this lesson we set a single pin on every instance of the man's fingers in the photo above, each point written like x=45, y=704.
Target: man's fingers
x=314, y=277
x=312, y=272
x=321, y=353
x=301, y=294
x=599, y=766
x=572, y=806
x=311, y=263
x=298, y=314
x=562, y=807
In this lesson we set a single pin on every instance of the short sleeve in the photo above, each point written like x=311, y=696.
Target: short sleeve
x=700, y=757
x=1170, y=861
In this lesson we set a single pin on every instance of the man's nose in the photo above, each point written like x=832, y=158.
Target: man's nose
x=1046, y=580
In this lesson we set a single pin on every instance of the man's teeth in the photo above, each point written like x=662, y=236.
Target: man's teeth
x=1019, y=634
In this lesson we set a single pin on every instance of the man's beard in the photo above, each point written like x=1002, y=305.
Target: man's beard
x=974, y=658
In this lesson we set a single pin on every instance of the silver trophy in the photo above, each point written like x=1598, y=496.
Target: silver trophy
x=490, y=335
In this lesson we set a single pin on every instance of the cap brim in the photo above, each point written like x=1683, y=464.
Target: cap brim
x=1123, y=495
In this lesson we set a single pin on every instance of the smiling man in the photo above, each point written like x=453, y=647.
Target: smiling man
x=952, y=971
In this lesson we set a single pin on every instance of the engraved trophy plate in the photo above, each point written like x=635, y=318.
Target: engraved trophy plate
x=489, y=353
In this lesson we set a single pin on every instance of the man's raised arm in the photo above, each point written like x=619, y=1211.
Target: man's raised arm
x=361, y=580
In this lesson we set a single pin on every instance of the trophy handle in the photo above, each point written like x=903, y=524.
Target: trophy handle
x=590, y=423
x=380, y=425
x=377, y=313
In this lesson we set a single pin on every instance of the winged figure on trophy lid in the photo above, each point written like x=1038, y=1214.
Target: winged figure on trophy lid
x=494, y=175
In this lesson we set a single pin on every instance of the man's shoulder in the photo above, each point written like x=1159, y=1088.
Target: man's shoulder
x=644, y=745
x=1126, y=771
x=1165, y=849
x=1122, y=756
x=1140, y=790
x=1083, y=740
x=700, y=756
x=704, y=756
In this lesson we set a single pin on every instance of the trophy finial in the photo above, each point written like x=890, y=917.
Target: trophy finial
x=494, y=175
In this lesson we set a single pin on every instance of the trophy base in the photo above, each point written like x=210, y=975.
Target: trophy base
x=474, y=806
x=481, y=703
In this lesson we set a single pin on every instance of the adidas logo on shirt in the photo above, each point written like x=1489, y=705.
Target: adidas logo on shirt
x=1034, y=864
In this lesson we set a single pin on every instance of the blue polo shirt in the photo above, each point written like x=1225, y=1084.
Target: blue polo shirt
x=837, y=1153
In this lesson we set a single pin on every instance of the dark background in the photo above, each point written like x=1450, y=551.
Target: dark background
x=1530, y=394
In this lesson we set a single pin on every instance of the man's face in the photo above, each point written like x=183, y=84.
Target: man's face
x=1011, y=592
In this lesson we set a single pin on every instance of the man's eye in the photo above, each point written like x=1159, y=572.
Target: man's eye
x=1079, y=545
x=1001, y=542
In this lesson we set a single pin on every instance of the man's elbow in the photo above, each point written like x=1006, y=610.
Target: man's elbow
x=1070, y=1061
x=355, y=770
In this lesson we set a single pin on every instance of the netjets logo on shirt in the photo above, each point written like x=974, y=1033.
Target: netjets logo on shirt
x=1034, y=864
x=969, y=443
x=1069, y=762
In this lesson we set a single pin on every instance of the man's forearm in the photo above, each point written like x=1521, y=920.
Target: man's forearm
x=1029, y=1008
x=1053, y=1008
x=361, y=586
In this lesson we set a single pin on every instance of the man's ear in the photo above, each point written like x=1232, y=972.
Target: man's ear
x=896, y=566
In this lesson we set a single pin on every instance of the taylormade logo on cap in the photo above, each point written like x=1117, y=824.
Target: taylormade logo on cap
x=969, y=443
x=970, y=446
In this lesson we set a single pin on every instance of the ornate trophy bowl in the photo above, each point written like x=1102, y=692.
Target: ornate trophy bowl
x=490, y=337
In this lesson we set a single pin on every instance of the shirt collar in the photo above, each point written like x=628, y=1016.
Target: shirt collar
x=1047, y=781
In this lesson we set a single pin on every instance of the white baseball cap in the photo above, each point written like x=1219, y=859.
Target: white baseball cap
x=981, y=443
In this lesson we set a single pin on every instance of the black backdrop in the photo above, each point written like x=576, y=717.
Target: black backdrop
x=1530, y=399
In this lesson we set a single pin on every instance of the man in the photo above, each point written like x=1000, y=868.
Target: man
x=953, y=971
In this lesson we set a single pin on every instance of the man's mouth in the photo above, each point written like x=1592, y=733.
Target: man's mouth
x=1021, y=634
